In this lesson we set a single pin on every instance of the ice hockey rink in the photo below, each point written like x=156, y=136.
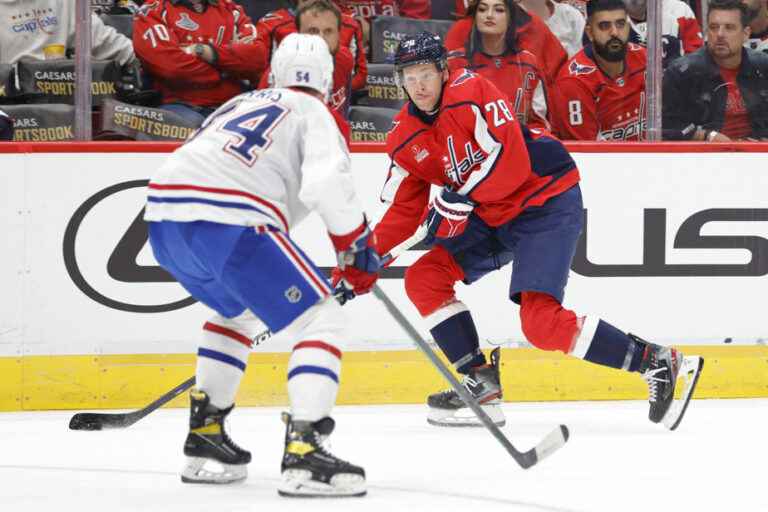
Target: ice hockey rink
x=615, y=461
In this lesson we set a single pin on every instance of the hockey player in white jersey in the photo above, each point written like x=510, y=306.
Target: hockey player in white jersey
x=219, y=213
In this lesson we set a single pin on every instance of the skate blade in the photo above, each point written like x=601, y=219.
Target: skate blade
x=690, y=371
x=298, y=483
x=464, y=417
x=200, y=470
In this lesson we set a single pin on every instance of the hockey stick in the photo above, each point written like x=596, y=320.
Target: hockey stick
x=100, y=421
x=547, y=446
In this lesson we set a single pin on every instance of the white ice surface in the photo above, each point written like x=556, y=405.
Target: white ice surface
x=615, y=461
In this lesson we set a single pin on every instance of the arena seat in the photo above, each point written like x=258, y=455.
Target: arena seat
x=443, y=10
x=381, y=90
x=255, y=9
x=134, y=122
x=370, y=124
x=42, y=122
x=53, y=81
x=387, y=31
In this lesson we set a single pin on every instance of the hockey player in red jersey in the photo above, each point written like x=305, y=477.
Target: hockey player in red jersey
x=492, y=51
x=197, y=52
x=600, y=94
x=533, y=35
x=508, y=194
x=274, y=26
x=323, y=18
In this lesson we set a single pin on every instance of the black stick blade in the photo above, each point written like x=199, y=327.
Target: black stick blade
x=95, y=421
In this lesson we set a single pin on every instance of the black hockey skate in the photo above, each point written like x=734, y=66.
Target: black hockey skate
x=447, y=409
x=661, y=367
x=209, y=445
x=309, y=470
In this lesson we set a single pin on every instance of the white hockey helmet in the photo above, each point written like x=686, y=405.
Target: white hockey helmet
x=303, y=60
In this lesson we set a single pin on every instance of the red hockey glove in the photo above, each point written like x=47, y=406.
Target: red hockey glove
x=448, y=215
x=359, y=263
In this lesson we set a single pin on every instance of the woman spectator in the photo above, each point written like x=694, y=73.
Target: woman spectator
x=492, y=50
x=532, y=35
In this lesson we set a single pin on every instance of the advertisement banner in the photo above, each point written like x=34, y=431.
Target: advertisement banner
x=675, y=249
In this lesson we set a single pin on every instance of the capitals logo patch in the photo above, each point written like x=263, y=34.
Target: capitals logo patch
x=574, y=68
x=187, y=23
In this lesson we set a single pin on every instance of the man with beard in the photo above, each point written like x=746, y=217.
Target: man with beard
x=758, y=24
x=599, y=94
x=719, y=93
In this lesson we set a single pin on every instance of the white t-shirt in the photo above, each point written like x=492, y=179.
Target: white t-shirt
x=45, y=28
x=567, y=24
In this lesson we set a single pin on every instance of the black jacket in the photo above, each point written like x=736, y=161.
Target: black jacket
x=694, y=94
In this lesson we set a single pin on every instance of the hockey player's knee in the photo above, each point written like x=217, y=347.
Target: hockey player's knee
x=323, y=321
x=547, y=325
x=429, y=282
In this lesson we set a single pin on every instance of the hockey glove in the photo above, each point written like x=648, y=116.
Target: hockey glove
x=359, y=263
x=448, y=215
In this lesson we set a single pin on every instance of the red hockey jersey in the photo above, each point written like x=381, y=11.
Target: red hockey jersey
x=342, y=69
x=516, y=74
x=160, y=31
x=367, y=9
x=593, y=106
x=274, y=26
x=475, y=146
x=533, y=35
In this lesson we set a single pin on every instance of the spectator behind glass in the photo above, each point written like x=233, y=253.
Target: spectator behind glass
x=365, y=11
x=532, y=34
x=564, y=20
x=6, y=127
x=197, y=52
x=758, y=24
x=322, y=18
x=600, y=93
x=274, y=26
x=680, y=31
x=491, y=51
x=720, y=92
x=45, y=29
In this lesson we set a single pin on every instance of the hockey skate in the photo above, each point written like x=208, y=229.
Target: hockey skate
x=212, y=457
x=661, y=368
x=447, y=409
x=309, y=470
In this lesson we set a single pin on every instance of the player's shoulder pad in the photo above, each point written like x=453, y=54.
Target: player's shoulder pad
x=404, y=126
x=461, y=82
x=148, y=7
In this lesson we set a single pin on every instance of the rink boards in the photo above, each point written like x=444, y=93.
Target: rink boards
x=675, y=250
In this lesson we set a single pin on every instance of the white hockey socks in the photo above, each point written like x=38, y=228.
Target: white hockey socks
x=221, y=360
x=315, y=364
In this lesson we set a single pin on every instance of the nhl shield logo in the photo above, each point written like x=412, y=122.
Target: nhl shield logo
x=293, y=294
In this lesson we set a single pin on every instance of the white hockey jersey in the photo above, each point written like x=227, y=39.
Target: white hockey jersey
x=266, y=157
x=44, y=29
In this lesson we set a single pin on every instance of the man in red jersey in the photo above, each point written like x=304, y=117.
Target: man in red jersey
x=323, y=19
x=508, y=194
x=274, y=26
x=197, y=52
x=600, y=94
x=533, y=35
